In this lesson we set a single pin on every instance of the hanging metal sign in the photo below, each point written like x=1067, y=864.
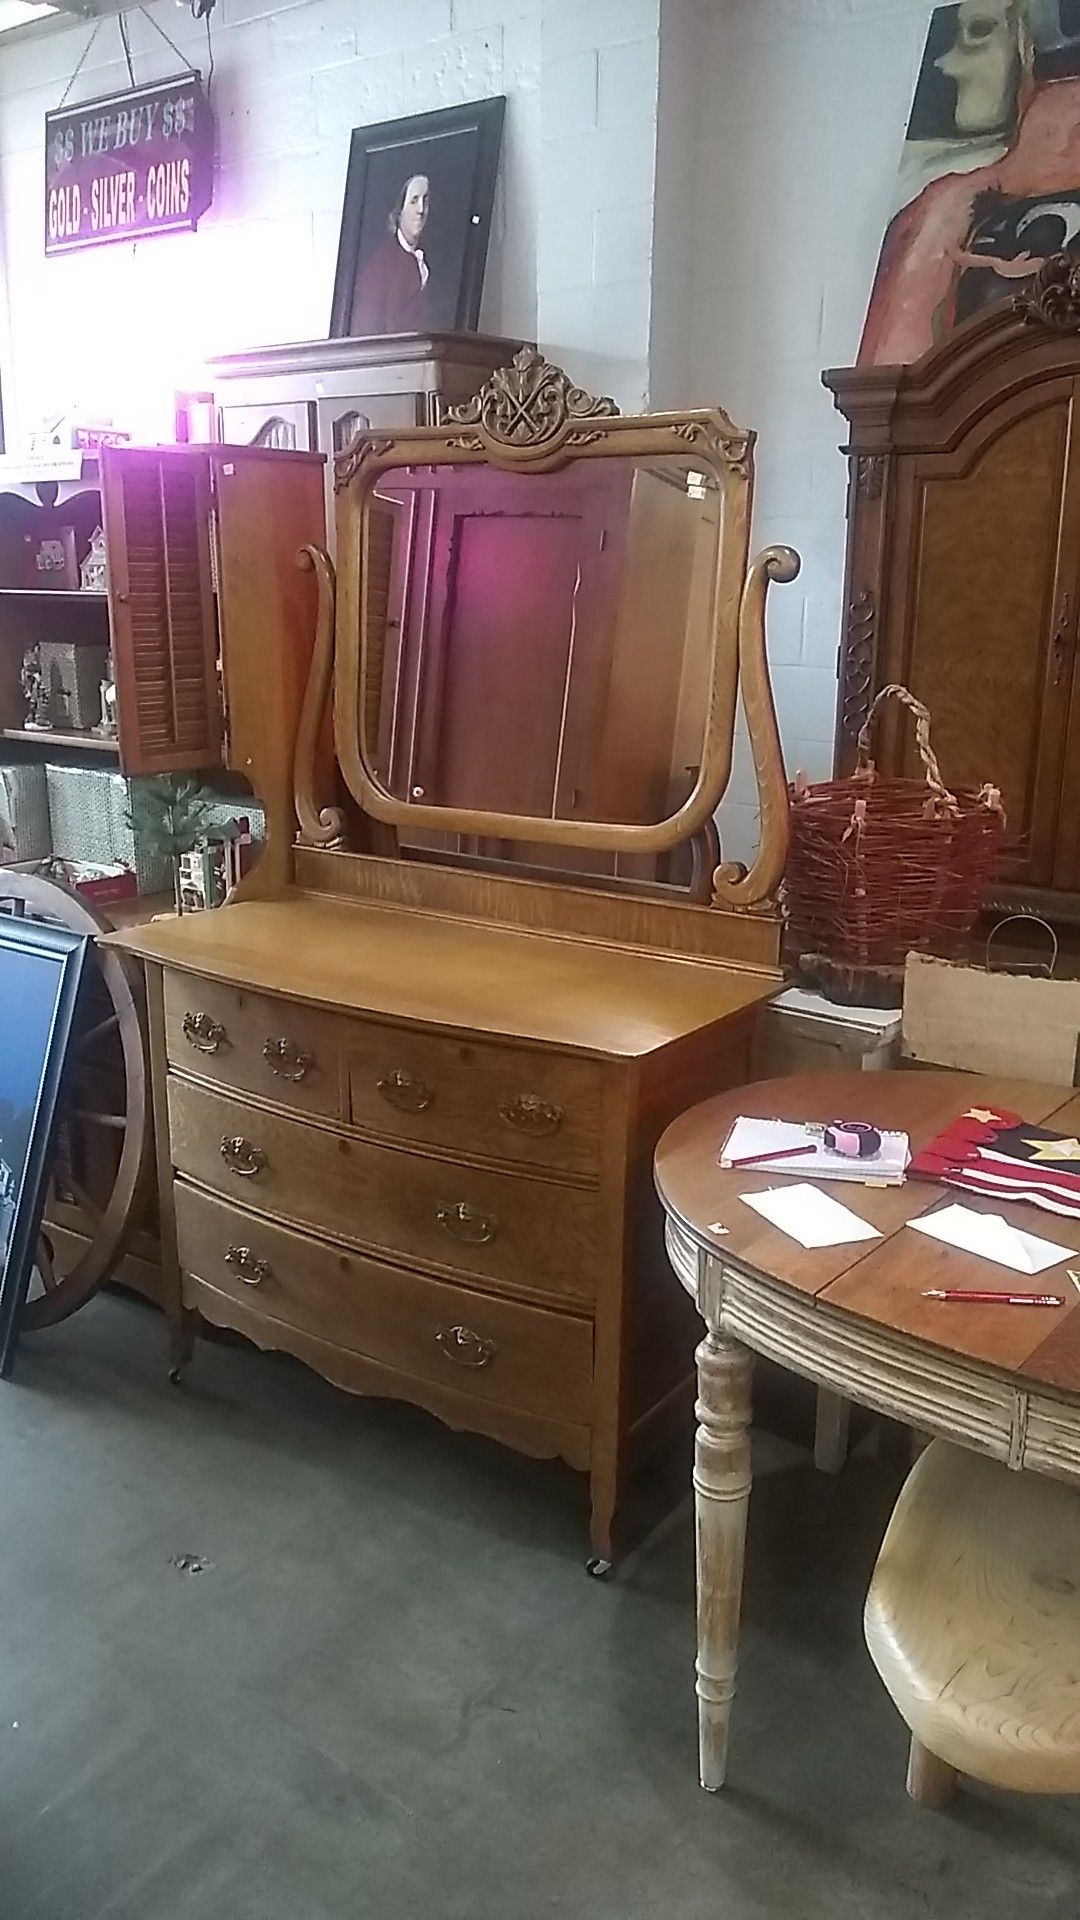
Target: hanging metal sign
x=132, y=164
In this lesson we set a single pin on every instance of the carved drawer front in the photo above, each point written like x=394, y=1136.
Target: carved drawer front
x=491, y=1349
x=254, y=1042
x=499, y=1225
x=509, y=1103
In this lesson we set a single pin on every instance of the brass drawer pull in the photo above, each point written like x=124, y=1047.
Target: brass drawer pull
x=287, y=1060
x=406, y=1091
x=241, y=1157
x=249, y=1267
x=203, y=1033
x=463, y=1222
x=464, y=1347
x=531, y=1115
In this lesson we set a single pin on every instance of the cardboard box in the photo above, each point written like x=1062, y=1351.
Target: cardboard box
x=988, y=1021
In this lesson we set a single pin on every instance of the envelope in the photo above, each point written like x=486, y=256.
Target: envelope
x=992, y=1238
x=809, y=1216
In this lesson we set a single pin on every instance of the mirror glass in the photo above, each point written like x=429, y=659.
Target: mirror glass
x=540, y=644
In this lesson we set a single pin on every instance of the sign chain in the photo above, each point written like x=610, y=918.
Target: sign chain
x=82, y=62
x=126, y=43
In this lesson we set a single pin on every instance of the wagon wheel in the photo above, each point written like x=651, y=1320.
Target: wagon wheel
x=101, y=1146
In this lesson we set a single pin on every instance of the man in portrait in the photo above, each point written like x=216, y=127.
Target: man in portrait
x=391, y=286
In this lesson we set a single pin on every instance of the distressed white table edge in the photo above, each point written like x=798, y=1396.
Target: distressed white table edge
x=746, y=1313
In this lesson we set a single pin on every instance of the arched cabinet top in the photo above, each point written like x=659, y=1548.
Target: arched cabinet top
x=1012, y=348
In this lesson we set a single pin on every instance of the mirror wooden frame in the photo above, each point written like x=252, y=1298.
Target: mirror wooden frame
x=530, y=418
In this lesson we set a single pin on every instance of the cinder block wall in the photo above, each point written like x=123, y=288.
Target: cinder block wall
x=120, y=327
x=800, y=140
x=692, y=198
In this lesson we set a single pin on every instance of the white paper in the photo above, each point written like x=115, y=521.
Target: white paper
x=809, y=1216
x=992, y=1238
x=753, y=1137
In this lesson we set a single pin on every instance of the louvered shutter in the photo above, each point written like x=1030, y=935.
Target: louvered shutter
x=157, y=513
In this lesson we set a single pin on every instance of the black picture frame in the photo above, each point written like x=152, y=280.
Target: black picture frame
x=41, y=968
x=457, y=150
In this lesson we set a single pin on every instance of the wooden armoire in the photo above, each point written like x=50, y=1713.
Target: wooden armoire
x=962, y=578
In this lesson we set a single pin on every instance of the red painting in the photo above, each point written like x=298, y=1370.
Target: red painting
x=990, y=176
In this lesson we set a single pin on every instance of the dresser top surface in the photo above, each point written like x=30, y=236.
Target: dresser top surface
x=405, y=965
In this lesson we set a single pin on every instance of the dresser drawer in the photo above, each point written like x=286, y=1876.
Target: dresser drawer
x=501, y=1226
x=492, y=1349
x=509, y=1103
x=254, y=1042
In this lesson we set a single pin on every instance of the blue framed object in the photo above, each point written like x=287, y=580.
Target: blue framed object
x=40, y=971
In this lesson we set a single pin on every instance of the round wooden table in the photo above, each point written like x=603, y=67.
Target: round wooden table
x=1004, y=1381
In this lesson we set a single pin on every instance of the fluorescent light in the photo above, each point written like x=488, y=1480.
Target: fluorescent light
x=16, y=13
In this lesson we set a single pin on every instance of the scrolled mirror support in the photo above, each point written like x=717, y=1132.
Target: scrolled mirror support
x=733, y=884
x=319, y=826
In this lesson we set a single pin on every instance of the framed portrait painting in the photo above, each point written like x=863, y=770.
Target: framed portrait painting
x=40, y=971
x=415, y=223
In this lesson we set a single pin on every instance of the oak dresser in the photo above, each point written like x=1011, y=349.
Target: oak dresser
x=408, y=1082
x=416, y=1154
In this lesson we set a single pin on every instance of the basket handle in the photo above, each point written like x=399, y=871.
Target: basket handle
x=922, y=741
x=1029, y=920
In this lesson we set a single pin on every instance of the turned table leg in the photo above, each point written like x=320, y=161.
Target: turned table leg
x=721, y=1497
x=831, y=1431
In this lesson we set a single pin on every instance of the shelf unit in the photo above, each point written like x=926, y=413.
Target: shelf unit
x=56, y=596
x=181, y=527
x=33, y=511
x=82, y=742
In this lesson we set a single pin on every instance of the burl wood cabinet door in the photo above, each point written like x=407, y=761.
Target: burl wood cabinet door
x=980, y=613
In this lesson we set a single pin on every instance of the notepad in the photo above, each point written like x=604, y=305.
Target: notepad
x=750, y=1139
x=991, y=1237
x=809, y=1216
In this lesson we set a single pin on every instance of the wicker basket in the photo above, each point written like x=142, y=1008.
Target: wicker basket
x=881, y=867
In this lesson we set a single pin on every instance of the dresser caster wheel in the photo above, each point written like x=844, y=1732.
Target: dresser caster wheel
x=599, y=1569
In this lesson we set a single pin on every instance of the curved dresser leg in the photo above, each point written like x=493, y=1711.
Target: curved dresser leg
x=603, y=1492
x=183, y=1332
x=721, y=1498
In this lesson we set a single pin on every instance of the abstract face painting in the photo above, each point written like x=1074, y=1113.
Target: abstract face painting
x=990, y=175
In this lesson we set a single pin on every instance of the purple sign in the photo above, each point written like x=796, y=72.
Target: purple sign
x=135, y=163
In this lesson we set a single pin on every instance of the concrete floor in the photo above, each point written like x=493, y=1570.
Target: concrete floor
x=396, y=1696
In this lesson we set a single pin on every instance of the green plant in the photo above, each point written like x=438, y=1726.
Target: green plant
x=168, y=814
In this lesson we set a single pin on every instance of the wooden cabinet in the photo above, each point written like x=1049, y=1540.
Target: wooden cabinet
x=316, y=394
x=963, y=574
x=185, y=568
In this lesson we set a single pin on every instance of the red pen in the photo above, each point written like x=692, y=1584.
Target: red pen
x=758, y=1159
x=987, y=1299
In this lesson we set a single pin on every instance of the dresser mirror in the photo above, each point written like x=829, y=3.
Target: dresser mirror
x=542, y=619
x=539, y=644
